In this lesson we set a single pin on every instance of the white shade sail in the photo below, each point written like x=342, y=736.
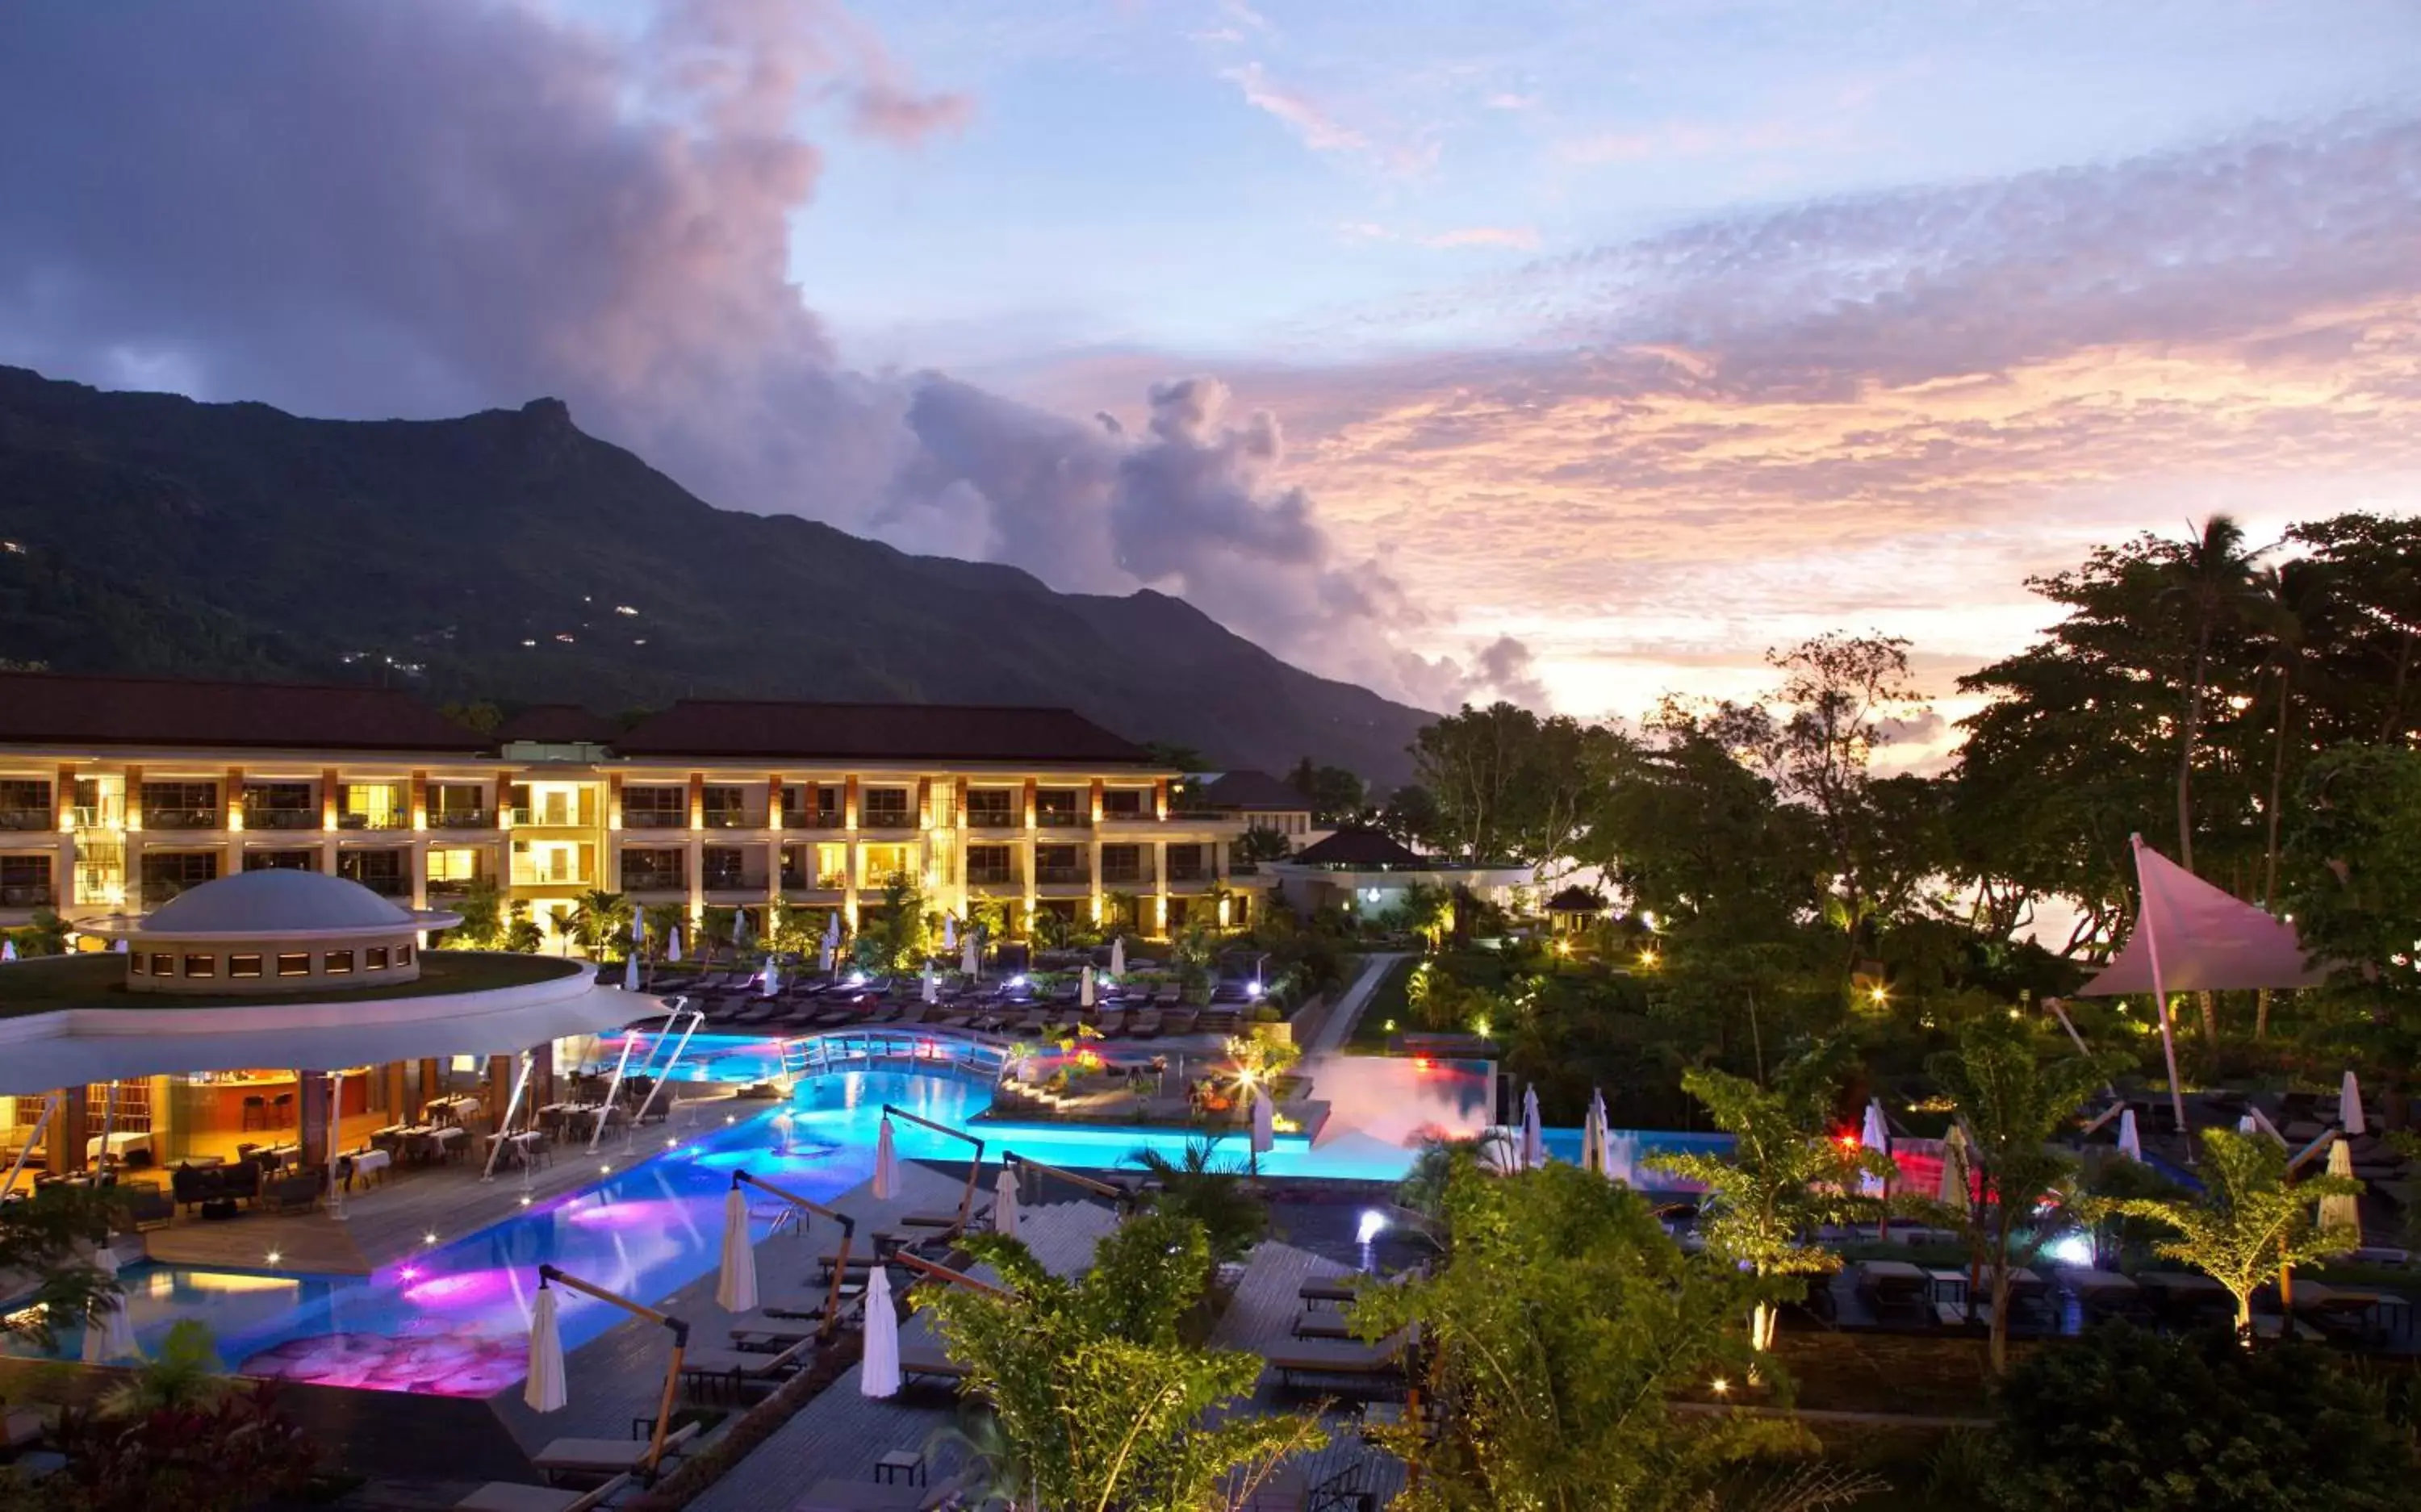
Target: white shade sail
x=2204, y=939
x=735, y=1284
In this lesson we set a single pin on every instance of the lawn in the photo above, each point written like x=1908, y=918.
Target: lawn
x=98, y=980
x=1386, y=1005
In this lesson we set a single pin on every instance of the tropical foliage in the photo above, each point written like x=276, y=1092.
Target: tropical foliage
x=1558, y=1331
x=2249, y=1225
x=48, y=1239
x=1100, y=1400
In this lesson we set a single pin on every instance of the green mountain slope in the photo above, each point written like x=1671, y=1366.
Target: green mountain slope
x=496, y=555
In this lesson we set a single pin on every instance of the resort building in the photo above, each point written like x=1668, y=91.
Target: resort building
x=119, y=794
x=283, y=1010
x=1368, y=873
x=1258, y=802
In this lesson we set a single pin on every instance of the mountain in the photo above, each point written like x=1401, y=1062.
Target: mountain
x=505, y=555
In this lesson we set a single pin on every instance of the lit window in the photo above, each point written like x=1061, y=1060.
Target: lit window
x=163, y=965
x=336, y=962
x=297, y=964
x=374, y=958
x=243, y=965
x=453, y=866
x=140, y=962
x=403, y=954
x=201, y=965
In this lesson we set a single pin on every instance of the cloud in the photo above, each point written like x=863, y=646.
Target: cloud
x=1521, y=237
x=1317, y=128
x=349, y=209
x=1508, y=101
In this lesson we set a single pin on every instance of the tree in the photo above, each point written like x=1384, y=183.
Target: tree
x=1100, y=1399
x=482, y=910
x=2355, y=884
x=2126, y=1418
x=2249, y=1225
x=601, y=925
x=1334, y=794
x=2211, y=579
x=899, y=935
x=46, y=1238
x=1410, y=815
x=1213, y=1193
x=1510, y=786
x=44, y=934
x=1259, y=843
x=1559, y=1331
x=523, y=935
x=1784, y=1176
x=2011, y=1103
x=474, y=714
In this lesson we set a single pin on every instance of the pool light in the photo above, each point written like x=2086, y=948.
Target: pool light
x=428, y=1238
x=2074, y=1249
x=1374, y=1224
x=273, y=1256
x=412, y=1272
x=1254, y=988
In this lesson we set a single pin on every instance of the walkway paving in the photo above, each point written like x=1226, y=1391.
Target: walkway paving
x=1261, y=1319
x=1347, y=1012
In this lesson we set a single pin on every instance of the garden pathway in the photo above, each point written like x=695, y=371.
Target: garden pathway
x=1347, y=1012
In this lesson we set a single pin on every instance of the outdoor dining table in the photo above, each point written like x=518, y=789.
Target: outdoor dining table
x=365, y=1162
x=117, y=1142
x=524, y=1144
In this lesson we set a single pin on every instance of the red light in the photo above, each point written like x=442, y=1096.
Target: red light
x=1421, y=1062
x=1848, y=1142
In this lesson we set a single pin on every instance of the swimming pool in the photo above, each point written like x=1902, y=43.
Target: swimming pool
x=452, y=1320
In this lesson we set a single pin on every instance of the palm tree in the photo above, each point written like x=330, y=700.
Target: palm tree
x=2011, y=1104
x=2211, y=578
x=2293, y=599
x=185, y=1372
x=1783, y=1178
x=2249, y=1225
x=600, y=921
x=1211, y=1192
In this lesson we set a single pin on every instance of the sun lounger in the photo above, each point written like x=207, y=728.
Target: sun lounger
x=509, y=1496
x=1145, y=1025
x=1326, y=1291
x=1322, y=1323
x=603, y=1456
x=739, y=1367
x=926, y=1357
x=1177, y=1021
x=1357, y=1367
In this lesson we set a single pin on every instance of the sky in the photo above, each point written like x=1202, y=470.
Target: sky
x=1574, y=352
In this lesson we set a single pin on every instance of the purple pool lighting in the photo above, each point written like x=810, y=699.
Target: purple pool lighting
x=636, y=1212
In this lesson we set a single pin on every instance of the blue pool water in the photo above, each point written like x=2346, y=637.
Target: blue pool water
x=452, y=1318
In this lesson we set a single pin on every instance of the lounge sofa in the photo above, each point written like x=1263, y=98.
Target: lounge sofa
x=195, y=1185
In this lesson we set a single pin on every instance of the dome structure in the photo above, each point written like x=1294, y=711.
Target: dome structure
x=271, y=932
x=282, y=900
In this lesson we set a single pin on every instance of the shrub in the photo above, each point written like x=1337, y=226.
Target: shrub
x=2125, y=1418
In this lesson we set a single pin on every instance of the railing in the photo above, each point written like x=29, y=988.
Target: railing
x=532, y=877
x=654, y=878
x=718, y=881
x=986, y=820
x=991, y=876
x=26, y=896
x=1243, y=869
x=24, y=819
x=180, y=818
x=385, y=886
x=456, y=887
x=396, y=821
x=1061, y=819
x=522, y=815
x=1125, y=876
x=1061, y=875
x=1188, y=874
x=281, y=819
x=651, y=819
x=886, y=819
x=97, y=816
x=830, y=882
x=799, y=819
x=462, y=818
x=732, y=818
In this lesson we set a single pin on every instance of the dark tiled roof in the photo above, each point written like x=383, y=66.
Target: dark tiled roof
x=45, y=708
x=1356, y=847
x=877, y=732
x=1252, y=792
x=1577, y=899
x=559, y=724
